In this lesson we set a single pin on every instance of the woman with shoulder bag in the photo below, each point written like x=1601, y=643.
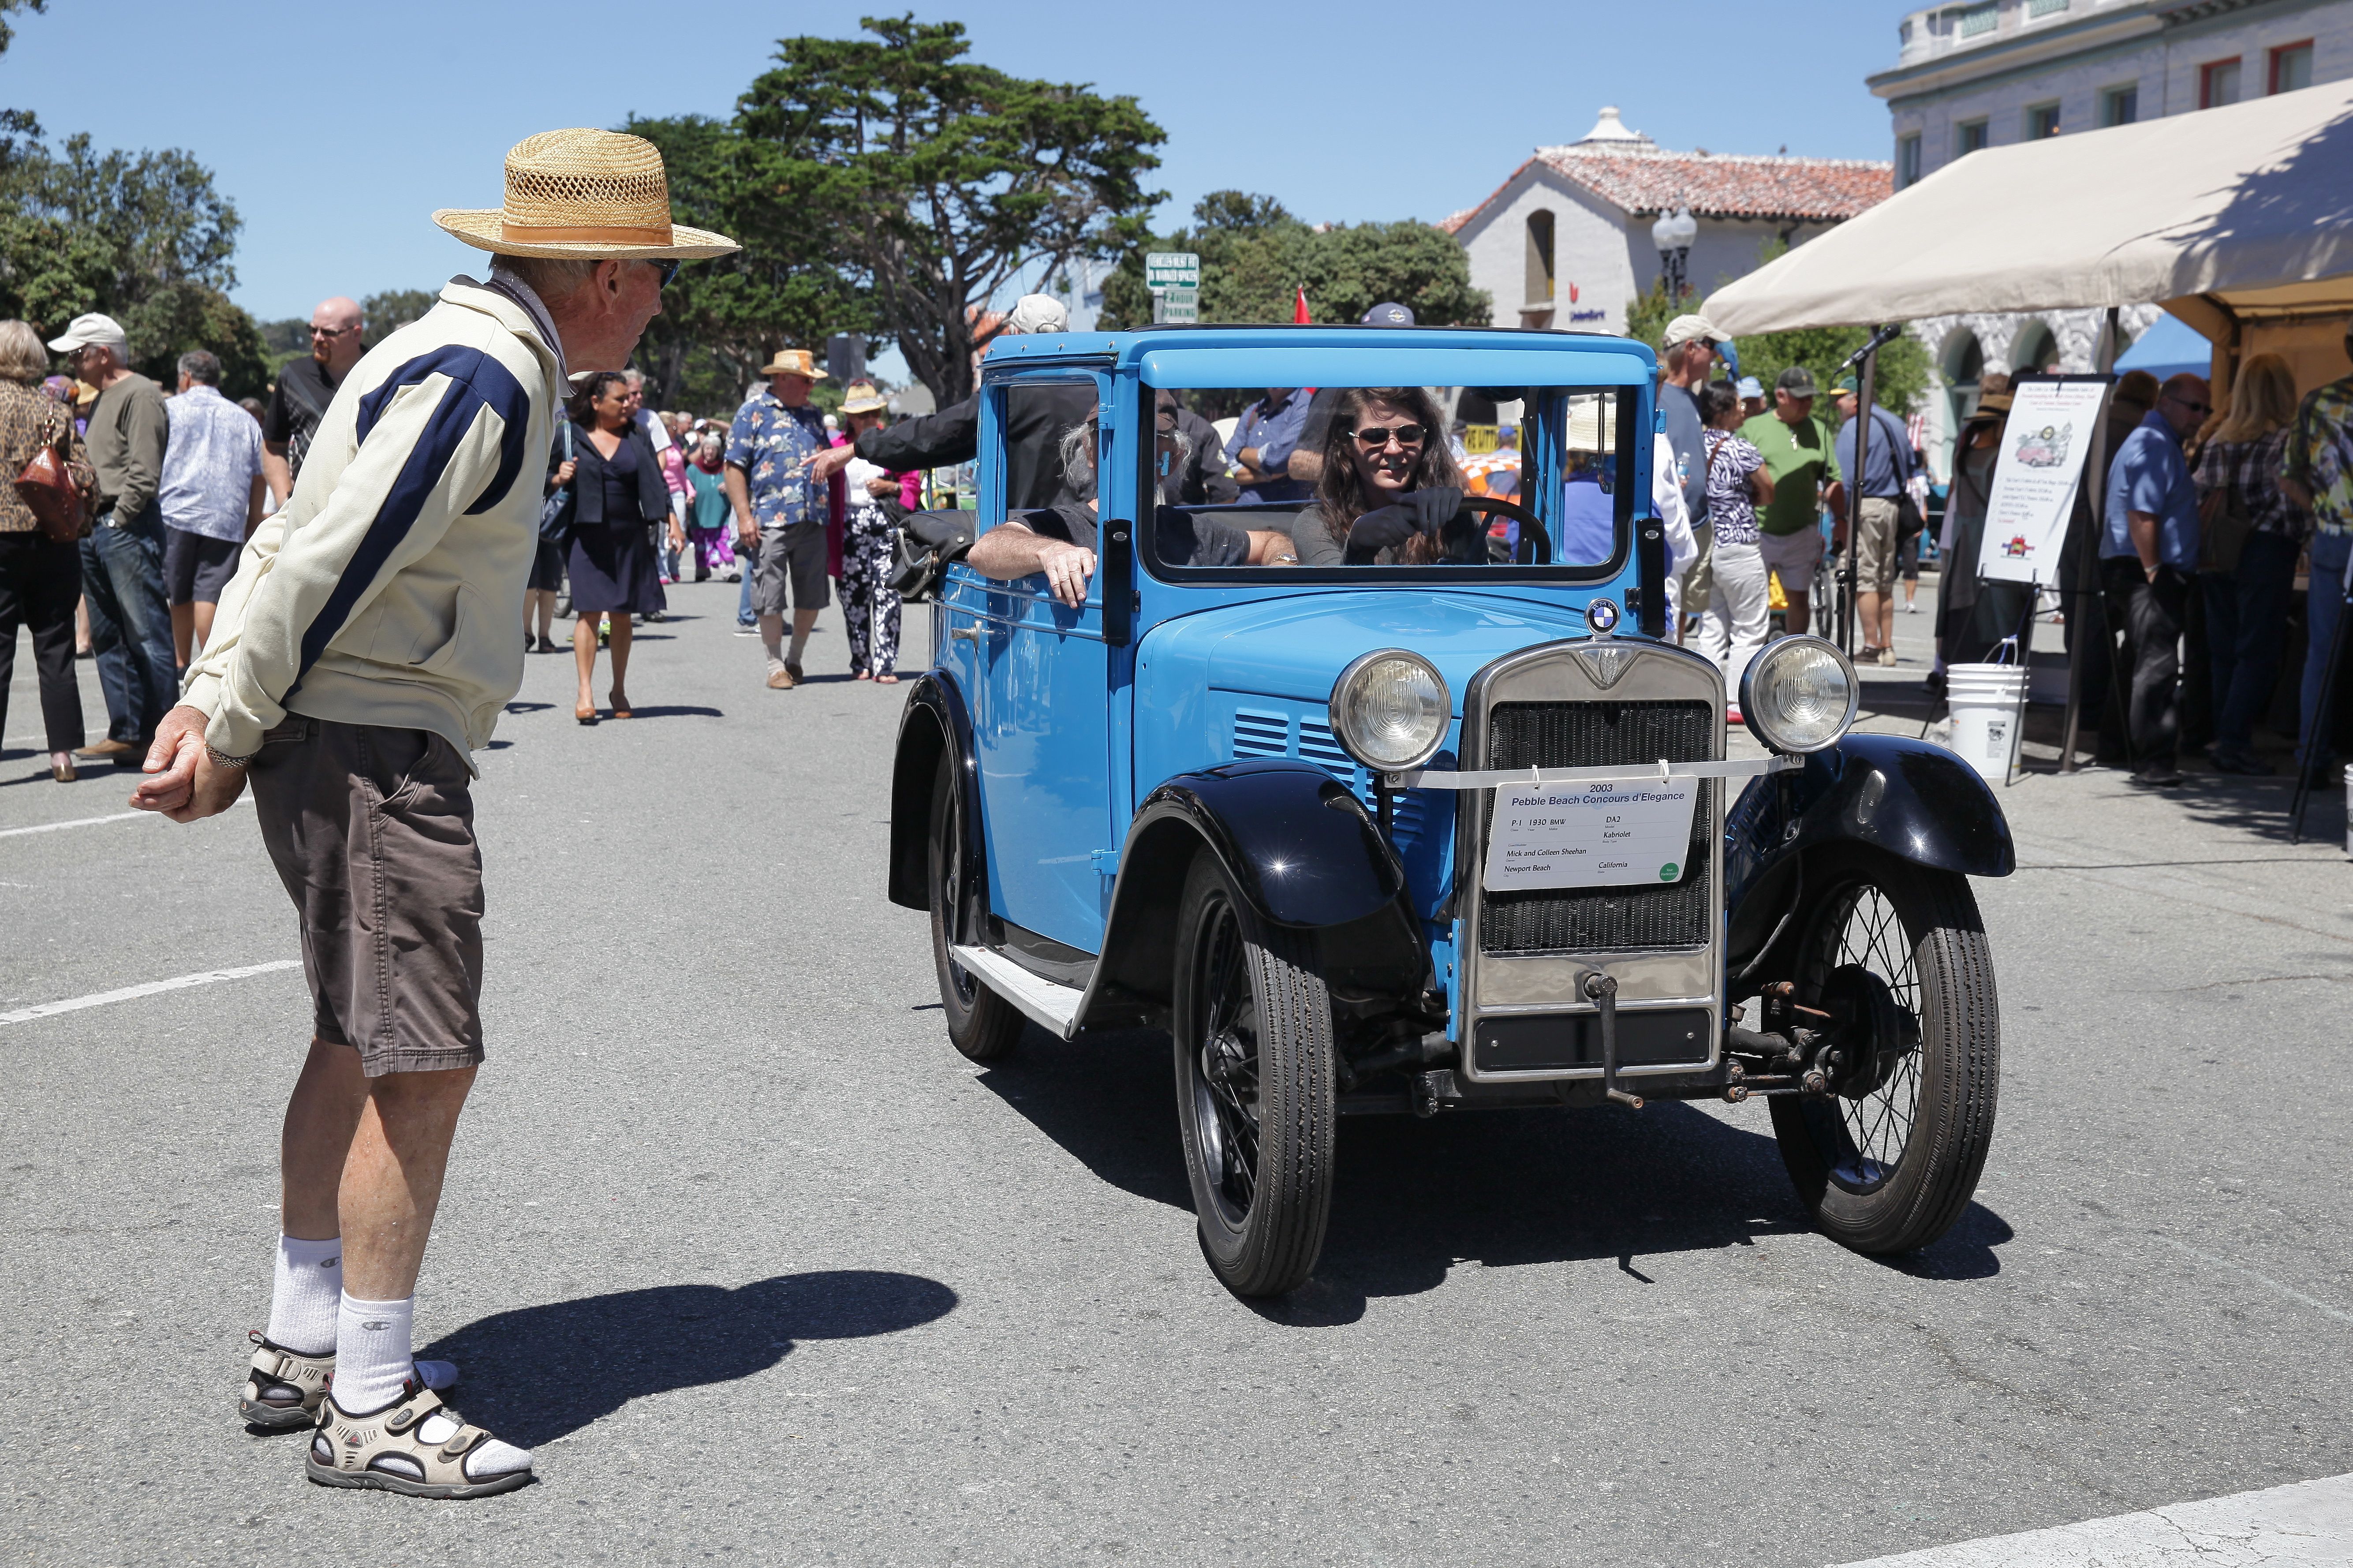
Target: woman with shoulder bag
x=619, y=497
x=2250, y=534
x=40, y=557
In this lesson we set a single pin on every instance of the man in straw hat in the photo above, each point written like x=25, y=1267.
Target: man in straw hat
x=780, y=511
x=364, y=649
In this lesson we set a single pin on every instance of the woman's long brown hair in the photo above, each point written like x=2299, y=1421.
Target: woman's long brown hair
x=1341, y=491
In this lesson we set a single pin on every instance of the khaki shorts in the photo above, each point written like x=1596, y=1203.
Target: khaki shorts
x=1874, y=551
x=1792, y=557
x=791, y=568
x=372, y=831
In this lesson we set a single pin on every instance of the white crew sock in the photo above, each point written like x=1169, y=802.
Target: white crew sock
x=303, y=1300
x=371, y=1353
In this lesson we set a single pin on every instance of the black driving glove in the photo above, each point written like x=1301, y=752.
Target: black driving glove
x=1386, y=528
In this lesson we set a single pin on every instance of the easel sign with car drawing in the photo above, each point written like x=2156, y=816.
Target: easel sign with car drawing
x=1379, y=808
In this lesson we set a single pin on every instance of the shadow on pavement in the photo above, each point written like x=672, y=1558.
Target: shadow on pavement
x=538, y=1373
x=674, y=710
x=1500, y=1188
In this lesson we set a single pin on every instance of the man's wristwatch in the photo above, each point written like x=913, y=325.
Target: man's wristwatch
x=221, y=759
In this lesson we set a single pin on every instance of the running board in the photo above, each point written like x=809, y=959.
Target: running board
x=1049, y=1005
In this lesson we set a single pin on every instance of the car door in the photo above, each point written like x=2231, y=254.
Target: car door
x=1040, y=677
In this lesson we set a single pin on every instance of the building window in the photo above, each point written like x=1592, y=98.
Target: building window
x=2044, y=8
x=1979, y=19
x=2043, y=122
x=1907, y=161
x=1539, y=259
x=2292, y=67
x=2218, y=84
x=2120, y=105
x=1968, y=136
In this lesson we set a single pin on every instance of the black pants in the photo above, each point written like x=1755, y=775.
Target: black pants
x=38, y=585
x=2151, y=614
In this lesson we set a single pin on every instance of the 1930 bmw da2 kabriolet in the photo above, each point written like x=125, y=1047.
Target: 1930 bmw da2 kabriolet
x=1425, y=820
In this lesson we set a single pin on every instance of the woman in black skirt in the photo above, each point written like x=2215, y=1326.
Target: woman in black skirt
x=618, y=497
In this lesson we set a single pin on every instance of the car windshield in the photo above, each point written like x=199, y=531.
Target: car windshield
x=1408, y=482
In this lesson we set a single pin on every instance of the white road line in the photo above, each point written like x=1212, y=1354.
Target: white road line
x=2309, y=1522
x=77, y=822
x=2290, y=1291
x=94, y=821
x=49, y=1009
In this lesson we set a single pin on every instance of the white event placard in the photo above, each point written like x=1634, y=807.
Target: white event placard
x=1608, y=834
x=2044, y=443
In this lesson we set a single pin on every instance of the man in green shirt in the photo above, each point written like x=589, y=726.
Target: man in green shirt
x=1800, y=456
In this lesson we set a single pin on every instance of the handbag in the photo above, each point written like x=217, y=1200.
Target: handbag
x=2222, y=529
x=555, y=512
x=929, y=543
x=49, y=493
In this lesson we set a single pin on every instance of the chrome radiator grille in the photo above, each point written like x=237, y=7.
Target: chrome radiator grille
x=1602, y=920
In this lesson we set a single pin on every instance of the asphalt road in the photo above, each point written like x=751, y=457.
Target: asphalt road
x=760, y=1268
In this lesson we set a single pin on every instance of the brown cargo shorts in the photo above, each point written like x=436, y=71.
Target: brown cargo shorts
x=372, y=831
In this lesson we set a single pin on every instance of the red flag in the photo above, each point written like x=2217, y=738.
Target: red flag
x=1299, y=316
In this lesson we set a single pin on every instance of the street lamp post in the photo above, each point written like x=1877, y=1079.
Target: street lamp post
x=1673, y=234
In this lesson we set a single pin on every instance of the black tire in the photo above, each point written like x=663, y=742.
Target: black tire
x=1889, y=1170
x=981, y=1024
x=1259, y=1133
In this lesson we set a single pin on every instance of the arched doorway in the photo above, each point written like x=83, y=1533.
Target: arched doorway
x=1964, y=368
x=2035, y=349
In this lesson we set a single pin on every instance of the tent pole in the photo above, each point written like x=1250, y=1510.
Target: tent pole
x=1867, y=384
x=2087, y=557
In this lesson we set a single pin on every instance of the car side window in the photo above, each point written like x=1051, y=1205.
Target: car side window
x=1047, y=459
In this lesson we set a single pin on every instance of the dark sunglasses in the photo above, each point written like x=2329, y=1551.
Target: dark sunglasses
x=668, y=268
x=1376, y=437
x=2193, y=408
x=332, y=331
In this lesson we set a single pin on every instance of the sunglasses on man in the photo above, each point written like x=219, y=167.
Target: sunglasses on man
x=1376, y=438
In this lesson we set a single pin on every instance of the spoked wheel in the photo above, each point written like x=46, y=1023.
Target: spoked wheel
x=1254, y=1096
x=1895, y=955
x=981, y=1024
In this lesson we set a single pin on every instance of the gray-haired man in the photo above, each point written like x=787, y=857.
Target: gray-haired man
x=214, y=490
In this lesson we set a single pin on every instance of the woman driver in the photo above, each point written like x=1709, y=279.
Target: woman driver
x=1389, y=486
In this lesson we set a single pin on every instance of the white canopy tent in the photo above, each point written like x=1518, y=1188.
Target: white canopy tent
x=2237, y=220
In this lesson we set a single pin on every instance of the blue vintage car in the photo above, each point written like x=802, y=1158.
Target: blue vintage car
x=1420, y=817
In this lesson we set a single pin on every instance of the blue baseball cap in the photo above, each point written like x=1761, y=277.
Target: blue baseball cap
x=1387, y=314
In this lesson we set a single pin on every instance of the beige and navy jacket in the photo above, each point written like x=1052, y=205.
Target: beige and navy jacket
x=388, y=589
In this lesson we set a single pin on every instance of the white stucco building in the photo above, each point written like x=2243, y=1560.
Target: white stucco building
x=1566, y=240
x=1986, y=73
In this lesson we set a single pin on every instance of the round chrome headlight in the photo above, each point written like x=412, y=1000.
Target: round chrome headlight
x=1798, y=694
x=1391, y=710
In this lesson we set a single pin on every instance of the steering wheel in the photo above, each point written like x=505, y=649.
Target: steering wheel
x=1533, y=537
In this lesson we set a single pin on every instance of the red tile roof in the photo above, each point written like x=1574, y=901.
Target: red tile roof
x=1714, y=184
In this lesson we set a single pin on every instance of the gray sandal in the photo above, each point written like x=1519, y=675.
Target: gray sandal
x=385, y=1450
x=283, y=1387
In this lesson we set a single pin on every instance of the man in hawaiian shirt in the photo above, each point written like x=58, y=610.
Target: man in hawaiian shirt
x=780, y=510
x=2316, y=473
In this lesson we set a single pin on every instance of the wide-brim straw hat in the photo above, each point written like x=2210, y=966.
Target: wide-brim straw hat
x=1991, y=404
x=584, y=195
x=862, y=397
x=795, y=361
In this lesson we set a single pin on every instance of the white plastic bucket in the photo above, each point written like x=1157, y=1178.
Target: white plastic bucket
x=1984, y=699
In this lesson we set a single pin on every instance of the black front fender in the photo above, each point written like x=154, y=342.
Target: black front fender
x=1907, y=798
x=1916, y=801
x=1303, y=852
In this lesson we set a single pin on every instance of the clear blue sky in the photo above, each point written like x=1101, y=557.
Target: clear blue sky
x=337, y=128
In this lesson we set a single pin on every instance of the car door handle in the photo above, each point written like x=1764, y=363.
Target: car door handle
x=969, y=634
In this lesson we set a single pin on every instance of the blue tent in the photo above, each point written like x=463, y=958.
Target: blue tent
x=2169, y=348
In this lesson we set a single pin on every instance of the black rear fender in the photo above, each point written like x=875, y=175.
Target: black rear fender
x=934, y=721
